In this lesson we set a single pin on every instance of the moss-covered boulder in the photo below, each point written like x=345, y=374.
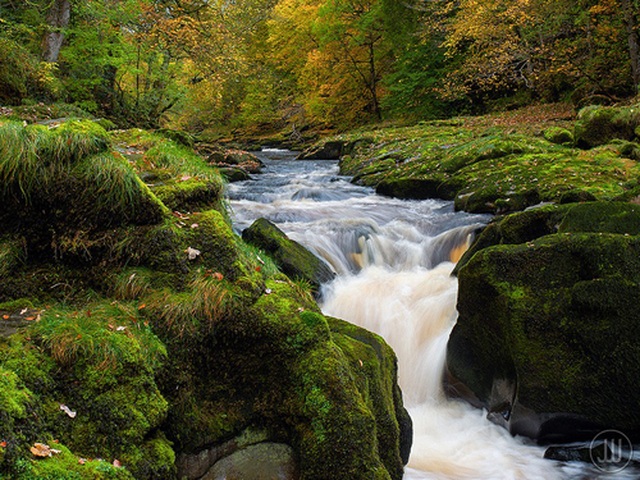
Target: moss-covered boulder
x=559, y=135
x=146, y=334
x=294, y=260
x=548, y=333
x=598, y=125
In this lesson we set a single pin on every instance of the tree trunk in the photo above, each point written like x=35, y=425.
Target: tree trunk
x=57, y=20
x=632, y=41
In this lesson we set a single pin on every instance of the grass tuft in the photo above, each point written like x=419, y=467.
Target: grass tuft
x=102, y=334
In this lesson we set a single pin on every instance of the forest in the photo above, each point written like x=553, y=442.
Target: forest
x=319, y=239
x=219, y=65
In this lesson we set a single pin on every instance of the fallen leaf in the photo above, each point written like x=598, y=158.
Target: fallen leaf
x=3, y=444
x=68, y=411
x=116, y=463
x=30, y=318
x=218, y=276
x=40, y=450
x=260, y=260
x=194, y=225
x=258, y=269
x=121, y=329
x=142, y=306
x=82, y=461
x=23, y=311
x=192, y=253
x=6, y=317
x=267, y=291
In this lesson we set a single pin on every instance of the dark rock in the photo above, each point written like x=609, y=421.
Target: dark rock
x=327, y=151
x=233, y=174
x=193, y=466
x=294, y=260
x=415, y=188
x=548, y=331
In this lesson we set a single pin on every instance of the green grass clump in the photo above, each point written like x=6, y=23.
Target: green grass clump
x=115, y=193
x=11, y=254
x=106, y=335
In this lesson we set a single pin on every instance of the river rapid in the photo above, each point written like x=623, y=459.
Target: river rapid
x=393, y=260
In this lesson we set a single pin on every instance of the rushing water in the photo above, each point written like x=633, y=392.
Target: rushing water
x=394, y=259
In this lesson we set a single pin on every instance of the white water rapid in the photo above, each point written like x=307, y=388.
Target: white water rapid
x=394, y=260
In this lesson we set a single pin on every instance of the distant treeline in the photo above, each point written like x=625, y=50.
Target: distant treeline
x=199, y=64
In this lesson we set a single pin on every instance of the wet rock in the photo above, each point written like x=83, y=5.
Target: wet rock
x=265, y=461
x=409, y=188
x=294, y=260
x=549, y=330
x=327, y=151
x=233, y=174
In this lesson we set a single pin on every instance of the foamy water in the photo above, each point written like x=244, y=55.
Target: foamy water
x=394, y=261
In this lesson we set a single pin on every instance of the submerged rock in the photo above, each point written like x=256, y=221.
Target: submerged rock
x=549, y=331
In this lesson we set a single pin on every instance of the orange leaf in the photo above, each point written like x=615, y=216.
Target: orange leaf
x=6, y=317
x=3, y=444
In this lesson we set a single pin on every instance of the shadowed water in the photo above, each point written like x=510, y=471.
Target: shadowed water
x=394, y=261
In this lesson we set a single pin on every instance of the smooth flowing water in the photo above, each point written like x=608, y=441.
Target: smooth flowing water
x=394, y=260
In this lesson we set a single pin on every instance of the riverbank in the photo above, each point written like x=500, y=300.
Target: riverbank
x=502, y=163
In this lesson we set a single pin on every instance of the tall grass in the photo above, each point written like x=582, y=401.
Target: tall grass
x=115, y=189
x=105, y=335
x=33, y=157
x=209, y=299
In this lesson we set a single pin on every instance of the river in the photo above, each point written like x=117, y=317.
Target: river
x=394, y=259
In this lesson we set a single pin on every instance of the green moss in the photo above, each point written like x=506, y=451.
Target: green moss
x=558, y=135
x=294, y=260
x=561, y=310
x=598, y=125
x=614, y=217
x=191, y=195
x=66, y=465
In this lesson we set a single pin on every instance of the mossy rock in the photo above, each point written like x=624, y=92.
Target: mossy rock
x=590, y=217
x=294, y=260
x=331, y=150
x=414, y=188
x=548, y=333
x=191, y=195
x=597, y=125
x=279, y=369
x=558, y=135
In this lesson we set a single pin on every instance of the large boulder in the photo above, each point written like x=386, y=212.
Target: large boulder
x=136, y=335
x=294, y=260
x=548, y=334
x=598, y=125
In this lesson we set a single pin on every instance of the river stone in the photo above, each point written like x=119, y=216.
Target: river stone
x=264, y=461
x=294, y=260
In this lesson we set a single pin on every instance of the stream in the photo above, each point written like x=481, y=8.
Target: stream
x=394, y=259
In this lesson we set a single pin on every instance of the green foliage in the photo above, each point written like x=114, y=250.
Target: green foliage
x=65, y=465
x=98, y=335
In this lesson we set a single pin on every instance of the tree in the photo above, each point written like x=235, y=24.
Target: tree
x=57, y=21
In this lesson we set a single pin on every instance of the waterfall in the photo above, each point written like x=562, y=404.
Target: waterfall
x=414, y=311
x=394, y=260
